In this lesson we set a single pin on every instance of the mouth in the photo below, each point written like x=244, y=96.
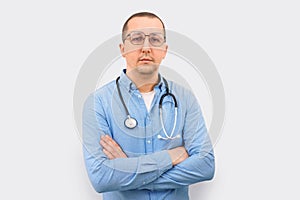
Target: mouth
x=146, y=60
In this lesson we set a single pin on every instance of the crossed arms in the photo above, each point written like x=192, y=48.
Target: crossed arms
x=112, y=150
x=110, y=169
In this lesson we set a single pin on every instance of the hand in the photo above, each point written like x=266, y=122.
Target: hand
x=178, y=155
x=110, y=148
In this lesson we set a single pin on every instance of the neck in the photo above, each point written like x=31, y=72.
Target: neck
x=146, y=88
x=145, y=82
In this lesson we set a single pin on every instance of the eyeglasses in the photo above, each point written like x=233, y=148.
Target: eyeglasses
x=138, y=38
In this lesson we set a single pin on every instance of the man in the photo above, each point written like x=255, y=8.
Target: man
x=144, y=137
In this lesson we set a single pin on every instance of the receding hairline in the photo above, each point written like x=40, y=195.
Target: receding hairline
x=141, y=14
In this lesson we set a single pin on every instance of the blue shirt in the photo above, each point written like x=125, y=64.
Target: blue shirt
x=147, y=173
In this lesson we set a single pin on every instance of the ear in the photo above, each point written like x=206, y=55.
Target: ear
x=166, y=50
x=121, y=46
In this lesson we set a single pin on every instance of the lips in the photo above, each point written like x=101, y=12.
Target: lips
x=145, y=59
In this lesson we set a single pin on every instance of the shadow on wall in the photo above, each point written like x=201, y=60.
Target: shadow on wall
x=201, y=190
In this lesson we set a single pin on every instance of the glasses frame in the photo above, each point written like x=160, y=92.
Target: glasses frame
x=129, y=35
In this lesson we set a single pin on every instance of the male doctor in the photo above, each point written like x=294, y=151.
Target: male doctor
x=144, y=137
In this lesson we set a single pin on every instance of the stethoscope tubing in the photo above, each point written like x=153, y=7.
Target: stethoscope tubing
x=131, y=122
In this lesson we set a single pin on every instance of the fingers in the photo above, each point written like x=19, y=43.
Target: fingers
x=178, y=155
x=111, y=141
x=110, y=148
x=108, y=154
x=107, y=148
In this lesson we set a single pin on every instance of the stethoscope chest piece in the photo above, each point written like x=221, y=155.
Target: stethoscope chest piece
x=130, y=122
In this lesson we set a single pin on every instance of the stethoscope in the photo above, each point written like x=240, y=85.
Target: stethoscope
x=131, y=122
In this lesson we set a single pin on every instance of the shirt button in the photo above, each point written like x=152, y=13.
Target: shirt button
x=148, y=141
x=139, y=96
x=144, y=183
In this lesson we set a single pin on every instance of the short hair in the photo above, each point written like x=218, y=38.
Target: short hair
x=141, y=14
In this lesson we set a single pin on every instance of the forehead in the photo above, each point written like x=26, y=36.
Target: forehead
x=145, y=24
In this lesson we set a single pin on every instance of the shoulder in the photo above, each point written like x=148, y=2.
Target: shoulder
x=103, y=93
x=105, y=89
x=179, y=89
x=183, y=93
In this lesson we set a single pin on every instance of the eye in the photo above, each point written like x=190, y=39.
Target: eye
x=156, y=39
x=137, y=39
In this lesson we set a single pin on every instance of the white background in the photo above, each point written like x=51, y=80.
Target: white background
x=254, y=44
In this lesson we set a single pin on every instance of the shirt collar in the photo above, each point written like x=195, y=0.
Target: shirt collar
x=130, y=86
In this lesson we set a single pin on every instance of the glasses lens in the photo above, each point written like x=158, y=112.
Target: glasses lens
x=156, y=39
x=137, y=38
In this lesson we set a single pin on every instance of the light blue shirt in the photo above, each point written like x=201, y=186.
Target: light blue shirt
x=147, y=173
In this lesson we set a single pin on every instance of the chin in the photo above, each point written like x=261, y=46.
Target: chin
x=147, y=69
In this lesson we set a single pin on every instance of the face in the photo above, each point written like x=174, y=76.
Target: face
x=143, y=57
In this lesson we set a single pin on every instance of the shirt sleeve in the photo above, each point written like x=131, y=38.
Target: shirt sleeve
x=200, y=165
x=121, y=173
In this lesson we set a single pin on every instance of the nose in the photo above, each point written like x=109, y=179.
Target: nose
x=146, y=46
